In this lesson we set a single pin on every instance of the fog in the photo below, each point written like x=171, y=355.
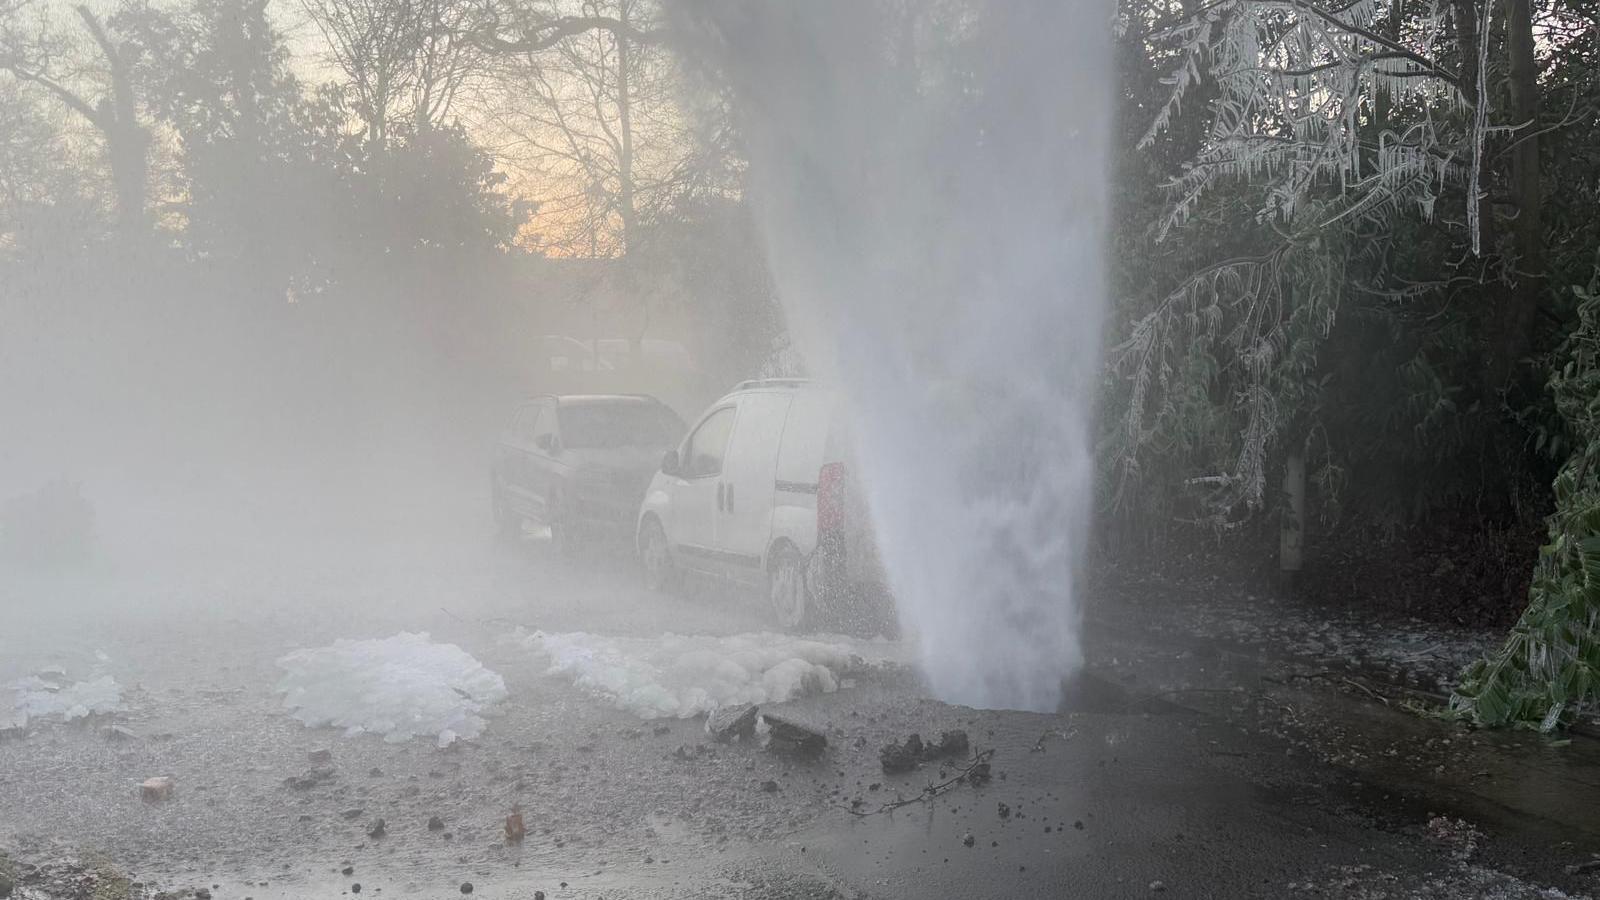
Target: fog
x=665, y=448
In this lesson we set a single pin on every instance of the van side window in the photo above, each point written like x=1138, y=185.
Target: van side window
x=703, y=451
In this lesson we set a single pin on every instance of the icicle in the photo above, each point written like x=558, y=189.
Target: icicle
x=1480, y=127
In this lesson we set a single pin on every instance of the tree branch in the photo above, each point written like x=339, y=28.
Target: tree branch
x=546, y=34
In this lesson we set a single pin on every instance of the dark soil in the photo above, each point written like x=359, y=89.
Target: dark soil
x=1459, y=570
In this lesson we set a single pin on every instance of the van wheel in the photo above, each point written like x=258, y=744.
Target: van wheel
x=656, y=556
x=786, y=587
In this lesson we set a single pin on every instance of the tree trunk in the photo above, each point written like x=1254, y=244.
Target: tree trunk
x=127, y=142
x=625, y=197
x=1526, y=192
x=1291, y=527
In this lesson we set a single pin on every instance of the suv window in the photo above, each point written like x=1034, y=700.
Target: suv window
x=703, y=451
x=520, y=431
x=543, y=423
x=618, y=423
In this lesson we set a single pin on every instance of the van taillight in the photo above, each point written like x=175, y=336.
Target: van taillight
x=831, y=488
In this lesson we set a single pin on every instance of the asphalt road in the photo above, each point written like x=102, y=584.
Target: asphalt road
x=1125, y=795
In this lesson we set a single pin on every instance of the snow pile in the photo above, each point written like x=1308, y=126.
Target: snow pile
x=48, y=695
x=687, y=675
x=399, y=687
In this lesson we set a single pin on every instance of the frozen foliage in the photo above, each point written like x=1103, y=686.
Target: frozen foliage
x=49, y=696
x=687, y=675
x=400, y=687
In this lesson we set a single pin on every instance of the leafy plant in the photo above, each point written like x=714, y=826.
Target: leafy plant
x=1549, y=666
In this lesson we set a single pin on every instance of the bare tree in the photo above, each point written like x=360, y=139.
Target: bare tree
x=406, y=60
x=593, y=120
x=100, y=90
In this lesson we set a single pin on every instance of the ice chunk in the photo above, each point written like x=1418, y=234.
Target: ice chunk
x=400, y=687
x=687, y=675
x=49, y=695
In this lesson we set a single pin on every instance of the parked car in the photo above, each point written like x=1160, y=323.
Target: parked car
x=760, y=493
x=579, y=464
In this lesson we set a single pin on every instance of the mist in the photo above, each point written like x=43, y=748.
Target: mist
x=785, y=449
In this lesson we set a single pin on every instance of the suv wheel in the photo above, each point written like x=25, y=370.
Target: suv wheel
x=506, y=522
x=656, y=556
x=786, y=587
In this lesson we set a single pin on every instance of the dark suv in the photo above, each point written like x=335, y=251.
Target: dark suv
x=579, y=464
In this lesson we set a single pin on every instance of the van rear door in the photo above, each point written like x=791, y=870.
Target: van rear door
x=744, y=525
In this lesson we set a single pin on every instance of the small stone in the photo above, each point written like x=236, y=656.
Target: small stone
x=320, y=757
x=355, y=888
x=435, y=823
x=730, y=723
x=1078, y=824
x=539, y=895
x=375, y=772
x=968, y=839
x=466, y=887
x=1005, y=812
x=353, y=813
x=156, y=790
x=770, y=787
x=310, y=779
x=1158, y=886
x=377, y=830
x=347, y=871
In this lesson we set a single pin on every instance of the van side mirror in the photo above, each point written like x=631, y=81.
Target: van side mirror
x=669, y=463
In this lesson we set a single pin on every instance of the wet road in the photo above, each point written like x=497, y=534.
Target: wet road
x=1175, y=796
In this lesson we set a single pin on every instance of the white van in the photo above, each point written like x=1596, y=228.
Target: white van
x=760, y=494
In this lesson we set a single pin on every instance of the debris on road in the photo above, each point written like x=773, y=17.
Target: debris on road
x=310, y=779
x=377, y=830
x=897, y=757
x=117, y=734
x=435, y=823
x=787, y=735
x=730, y=723
x=515, y=830
x=156, y=790
x=975, y=772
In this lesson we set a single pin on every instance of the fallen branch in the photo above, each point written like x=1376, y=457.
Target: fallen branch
x=976, y=770
x=1332, y=676
x=1038, y=746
